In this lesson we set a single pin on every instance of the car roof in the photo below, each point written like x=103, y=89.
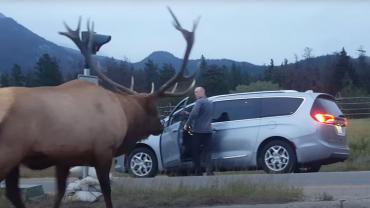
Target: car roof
x=277, y=93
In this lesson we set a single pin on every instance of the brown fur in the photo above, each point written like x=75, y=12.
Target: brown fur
x=76, y=123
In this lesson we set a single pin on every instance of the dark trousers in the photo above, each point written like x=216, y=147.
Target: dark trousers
x=199, y=140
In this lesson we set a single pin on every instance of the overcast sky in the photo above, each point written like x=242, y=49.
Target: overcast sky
x=253, y=31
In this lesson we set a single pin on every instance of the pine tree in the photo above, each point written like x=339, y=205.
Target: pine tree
x=166, y=73
x=151, y=74
x=31, y=79
x=16, y=76
x=203, y=66
x=342, y=68
x=307, y=54
x=214, y=81
x=236, y=77
x=269, y=73
x=119, y=71
x=4, y=79
x=363, y=70
x=47, y=71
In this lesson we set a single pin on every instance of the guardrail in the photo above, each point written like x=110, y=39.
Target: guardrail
x=355, y=107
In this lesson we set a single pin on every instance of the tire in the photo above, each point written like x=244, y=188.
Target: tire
x=309, y=169
x=278, y=157
x=176, y=173
x=313, y=169
x=142, y=163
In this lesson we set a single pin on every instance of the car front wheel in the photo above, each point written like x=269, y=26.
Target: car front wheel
x=278, y=157
x=143, y=163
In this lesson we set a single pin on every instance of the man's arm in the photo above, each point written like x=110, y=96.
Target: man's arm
x=194, y=113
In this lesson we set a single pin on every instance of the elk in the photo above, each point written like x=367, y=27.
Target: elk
x=78, y=123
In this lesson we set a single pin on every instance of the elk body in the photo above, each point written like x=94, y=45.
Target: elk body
x=77, y=123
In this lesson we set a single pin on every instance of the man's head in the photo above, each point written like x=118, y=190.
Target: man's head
x=199, y=92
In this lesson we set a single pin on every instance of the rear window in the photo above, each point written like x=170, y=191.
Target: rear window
x=230, y=110
x=280, y=106
x=325, y=105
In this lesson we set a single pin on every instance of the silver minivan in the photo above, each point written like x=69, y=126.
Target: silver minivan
x=277, y=131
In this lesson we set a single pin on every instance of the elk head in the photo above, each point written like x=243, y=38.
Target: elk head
x=148, y=116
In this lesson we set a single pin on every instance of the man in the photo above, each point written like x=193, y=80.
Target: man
x=199, y=120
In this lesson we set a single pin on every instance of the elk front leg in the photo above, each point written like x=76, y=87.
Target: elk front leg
x=102, y=171
x=62, y=173
x=8, y=161
x=12, y=190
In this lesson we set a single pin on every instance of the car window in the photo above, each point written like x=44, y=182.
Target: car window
x=324, y=105
x=279, y=106
x=180, y=116
x=239, y=109
x=176, y=114
x=177, y=117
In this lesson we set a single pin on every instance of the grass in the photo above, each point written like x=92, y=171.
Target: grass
x=163, y=195
x=3, y=201
x=358, y=136
x=324, y=197
x=183, y=196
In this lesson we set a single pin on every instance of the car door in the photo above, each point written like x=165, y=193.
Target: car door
x=236, y=127
x=170, y=138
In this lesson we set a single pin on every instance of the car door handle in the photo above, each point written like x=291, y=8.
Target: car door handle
x=175, y=130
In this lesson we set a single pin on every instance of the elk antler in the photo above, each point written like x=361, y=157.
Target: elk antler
x=180, y=76
x=86, y=51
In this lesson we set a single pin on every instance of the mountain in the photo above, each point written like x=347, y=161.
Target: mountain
x=19, y=45
x=163, y=57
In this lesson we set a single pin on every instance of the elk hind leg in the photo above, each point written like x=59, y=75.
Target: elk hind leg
x=102, y=171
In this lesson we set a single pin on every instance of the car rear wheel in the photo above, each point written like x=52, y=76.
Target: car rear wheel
x=143, y=163
x=313, y=168
x=278, y=157
x=309, y=169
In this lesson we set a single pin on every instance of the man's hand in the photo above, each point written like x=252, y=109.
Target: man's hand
x=186, y=113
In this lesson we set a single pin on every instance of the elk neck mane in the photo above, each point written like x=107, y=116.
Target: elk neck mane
x=134, y=108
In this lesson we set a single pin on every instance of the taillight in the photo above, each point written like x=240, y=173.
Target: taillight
x=324, y=118
x=330, y=119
